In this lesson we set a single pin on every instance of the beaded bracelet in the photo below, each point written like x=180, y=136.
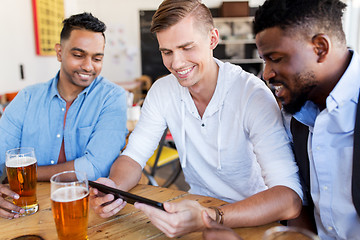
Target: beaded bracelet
x=219, y=215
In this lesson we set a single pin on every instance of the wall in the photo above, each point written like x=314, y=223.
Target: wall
x=122, y=56
x=18, y=47
x=351, y=16
x=122, y=60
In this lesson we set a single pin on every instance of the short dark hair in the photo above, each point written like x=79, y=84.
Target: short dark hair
x=84, y=21
x=306, y=16
x=170, y=12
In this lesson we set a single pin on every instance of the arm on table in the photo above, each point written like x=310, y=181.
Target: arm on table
x=274, y=204
x=125, y=173
x=305, y=220
x=214, y=230
x=45, y=172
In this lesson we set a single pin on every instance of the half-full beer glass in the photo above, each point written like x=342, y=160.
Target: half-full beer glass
x=70, y=204
x=21, y=166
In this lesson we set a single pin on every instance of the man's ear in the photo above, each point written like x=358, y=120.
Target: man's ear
x=322, y=46
x=214, y=38
x=58, y=51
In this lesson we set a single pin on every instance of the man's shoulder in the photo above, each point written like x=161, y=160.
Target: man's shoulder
x=37, y=87
x=103, y=84
x=168, y=82
x=237, y=77
x=164, y=91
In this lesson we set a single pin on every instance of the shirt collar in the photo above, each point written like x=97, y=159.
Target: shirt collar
x=347, y=89
x=55, y=93
x=53, y=87
x=307, y=114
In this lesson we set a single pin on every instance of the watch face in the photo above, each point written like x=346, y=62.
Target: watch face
x=28, y=237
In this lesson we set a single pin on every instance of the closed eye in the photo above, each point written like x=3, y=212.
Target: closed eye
x=275, y=60
x=166, y=52
x=77, y=55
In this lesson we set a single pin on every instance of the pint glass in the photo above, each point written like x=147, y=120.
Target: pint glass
x=21, y=166
x=70, y=204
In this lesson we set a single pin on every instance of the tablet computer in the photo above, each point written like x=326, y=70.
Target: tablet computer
x=126, y=196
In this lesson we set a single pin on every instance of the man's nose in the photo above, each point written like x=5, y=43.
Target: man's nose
x=268, y=72
x=87, y=64
x=177, y=61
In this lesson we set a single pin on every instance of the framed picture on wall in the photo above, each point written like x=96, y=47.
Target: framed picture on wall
x=48, y=17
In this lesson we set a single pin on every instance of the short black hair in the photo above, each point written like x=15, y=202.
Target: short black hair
x=82, y=21
x=321, y=16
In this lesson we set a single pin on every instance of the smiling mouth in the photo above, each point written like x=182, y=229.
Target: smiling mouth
x=278, y=89
x=185, y=72
x=85, y=76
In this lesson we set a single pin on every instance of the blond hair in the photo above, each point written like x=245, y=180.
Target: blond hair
x=170, y=12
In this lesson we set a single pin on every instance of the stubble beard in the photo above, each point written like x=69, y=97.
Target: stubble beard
x=306, y=82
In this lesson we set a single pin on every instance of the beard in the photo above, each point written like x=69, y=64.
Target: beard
x=304, y=83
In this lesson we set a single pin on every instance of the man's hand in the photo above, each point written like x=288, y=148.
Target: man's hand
x=215, y=231
x=104, y=205
x=178, y=219
x=7, y=209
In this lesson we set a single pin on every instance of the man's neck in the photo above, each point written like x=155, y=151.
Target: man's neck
x=335, y=70
x=67, y=91
x=203, y=91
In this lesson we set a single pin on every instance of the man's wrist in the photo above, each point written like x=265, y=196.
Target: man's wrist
x=219, y=215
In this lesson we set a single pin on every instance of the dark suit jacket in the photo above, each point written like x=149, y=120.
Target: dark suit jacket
x=300, y=135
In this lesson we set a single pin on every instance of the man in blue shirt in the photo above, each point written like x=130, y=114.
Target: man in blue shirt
x=77, y=120
x=317, y=79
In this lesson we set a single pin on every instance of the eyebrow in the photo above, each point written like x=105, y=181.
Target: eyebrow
x=180, y=46
x=82, y=51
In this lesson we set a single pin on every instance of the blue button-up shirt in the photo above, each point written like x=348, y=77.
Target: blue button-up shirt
x=94, y=132
x=330, y=149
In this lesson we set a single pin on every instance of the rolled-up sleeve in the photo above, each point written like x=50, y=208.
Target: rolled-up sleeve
x=271, y=143
x=148, y=131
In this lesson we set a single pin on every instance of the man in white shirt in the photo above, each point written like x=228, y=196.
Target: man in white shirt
x=227, y=128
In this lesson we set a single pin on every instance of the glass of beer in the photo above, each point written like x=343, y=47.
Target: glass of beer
x=70, y=204
x=21, y=166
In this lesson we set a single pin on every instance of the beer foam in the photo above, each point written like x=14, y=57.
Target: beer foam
x=68, y=194
x=20, y=162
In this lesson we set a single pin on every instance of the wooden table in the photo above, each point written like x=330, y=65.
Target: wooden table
x=129, y=223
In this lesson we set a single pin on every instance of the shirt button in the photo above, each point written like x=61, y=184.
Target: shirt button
x=325, y=188
x=330, y=228
x=58, y=136
x=52, y=162
x=203, y=125
x=317, y=148
x=63, y=109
